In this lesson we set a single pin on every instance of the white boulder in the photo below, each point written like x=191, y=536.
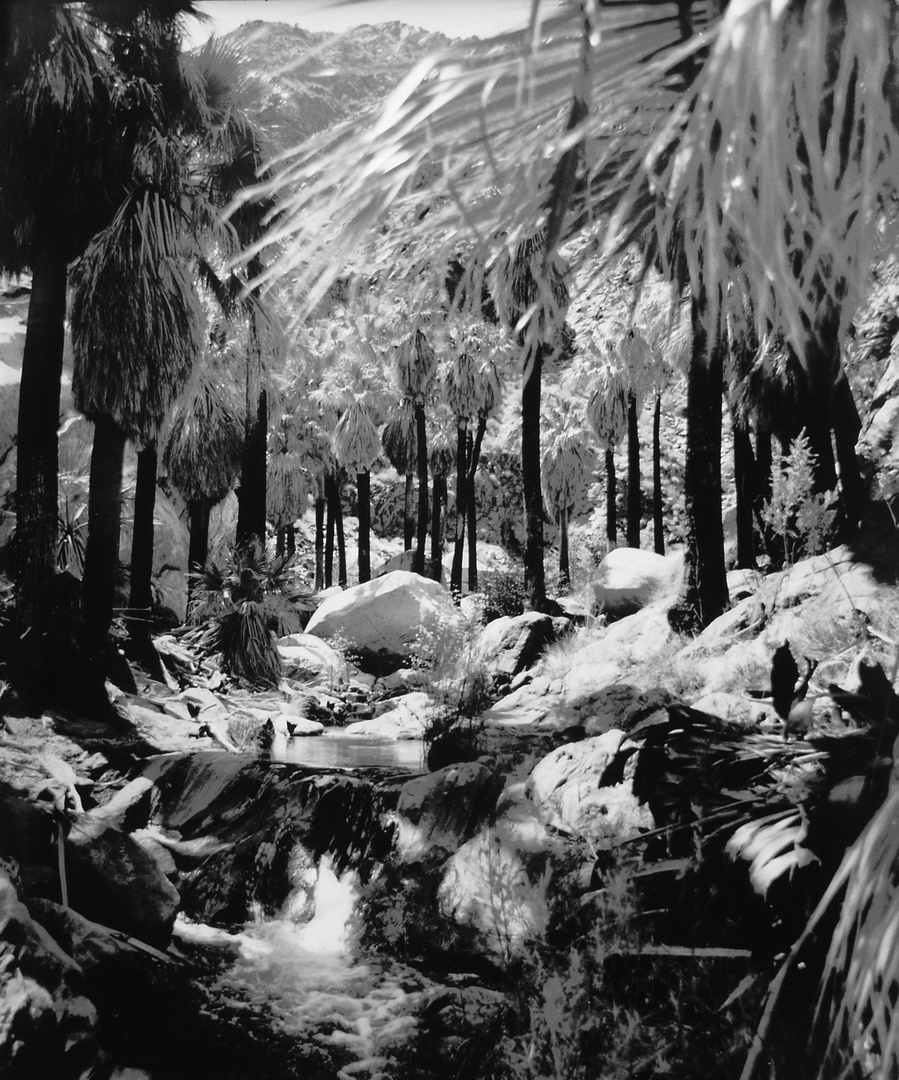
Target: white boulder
x=629, y=579
x=406, y=720
x=305, y=655
x=388, y=615
x=580, y=792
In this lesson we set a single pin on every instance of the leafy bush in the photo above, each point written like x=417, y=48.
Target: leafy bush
x=803, y=519
x=243, y=605
x=606, y=1004
x=503, y=592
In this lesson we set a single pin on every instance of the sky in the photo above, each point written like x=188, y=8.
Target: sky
x=456, y=18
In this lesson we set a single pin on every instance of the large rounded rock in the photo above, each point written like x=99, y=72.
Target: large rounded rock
x=628, y=580
x=511, y=644
x=306, y=656
x=408, y=719
x=113, y=881
x=394, y=616
x=581, y=790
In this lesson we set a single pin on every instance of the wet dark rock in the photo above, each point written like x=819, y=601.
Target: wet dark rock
x=48, y=1026
x=114, y=881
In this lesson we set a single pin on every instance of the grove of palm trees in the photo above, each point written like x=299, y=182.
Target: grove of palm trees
x=449, y=557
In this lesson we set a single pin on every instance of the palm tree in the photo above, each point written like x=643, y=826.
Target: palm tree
x=356, y=446
x=287, y=483
x=399, y=439
x=532, y=297
x=441, y=459
x=136, y=331
x=202, y=451
x=607, y=415
x=415, y=366
x=567, y=462
x=72, y=117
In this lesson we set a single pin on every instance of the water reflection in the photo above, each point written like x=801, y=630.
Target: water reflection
x=336, y=749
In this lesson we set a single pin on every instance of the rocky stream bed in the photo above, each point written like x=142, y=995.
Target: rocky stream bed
x=182, y=896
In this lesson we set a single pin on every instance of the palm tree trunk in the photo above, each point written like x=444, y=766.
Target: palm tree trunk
x=363, y=489
x=341, y=536
x=438, y=489
x=104, y=512
x=744, y=468
x=564, y=567
x=251, y=494
x=330, y=484
x=408, y=512
x=534, y=579
x=611, y=498
x=461, y=503
x=280, y=541
x=471, y=516
x=319, y=542
x=474, y=459
x=37, y=460
x=705, y=586
x=291, y=531
x=418, y=563
x=198, y=516
x=634, y=500
x=140, y=599
x=658, y=524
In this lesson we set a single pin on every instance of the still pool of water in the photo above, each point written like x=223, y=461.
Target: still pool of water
x=336, y=749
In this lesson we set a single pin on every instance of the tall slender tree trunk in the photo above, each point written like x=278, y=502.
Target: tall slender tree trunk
x=409, y=512
x=37, y=456
x=329, y=542
x=473, y=453
x=564, y=567
x=280, y=541
x=461, y=503
x=251, y=494
x=744, y=469
x=438, y=498
x=634, y=495
x=104, y=512
x=705, y=586
x=658, y=521
x=534, y=578
x=198, y=515
x=140, y=600
x=291, y=531
x=418, y=563
x=340, y=536
x=363, y=489
x=471, y=516
x=611, y=498
x=319, y=542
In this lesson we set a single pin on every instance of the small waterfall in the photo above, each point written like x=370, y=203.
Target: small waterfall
x=302, y=967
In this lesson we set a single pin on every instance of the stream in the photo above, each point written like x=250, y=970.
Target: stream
x=290, y=822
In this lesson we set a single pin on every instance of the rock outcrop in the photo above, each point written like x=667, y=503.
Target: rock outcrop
x=386, y=620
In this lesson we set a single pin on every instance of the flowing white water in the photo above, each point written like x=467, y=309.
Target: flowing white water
x=305, y=973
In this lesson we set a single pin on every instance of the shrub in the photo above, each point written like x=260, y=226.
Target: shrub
x=503, y=592
x=803, y=519
x=242, y=606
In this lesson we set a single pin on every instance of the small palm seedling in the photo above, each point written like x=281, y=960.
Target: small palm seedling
x=242, y=606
